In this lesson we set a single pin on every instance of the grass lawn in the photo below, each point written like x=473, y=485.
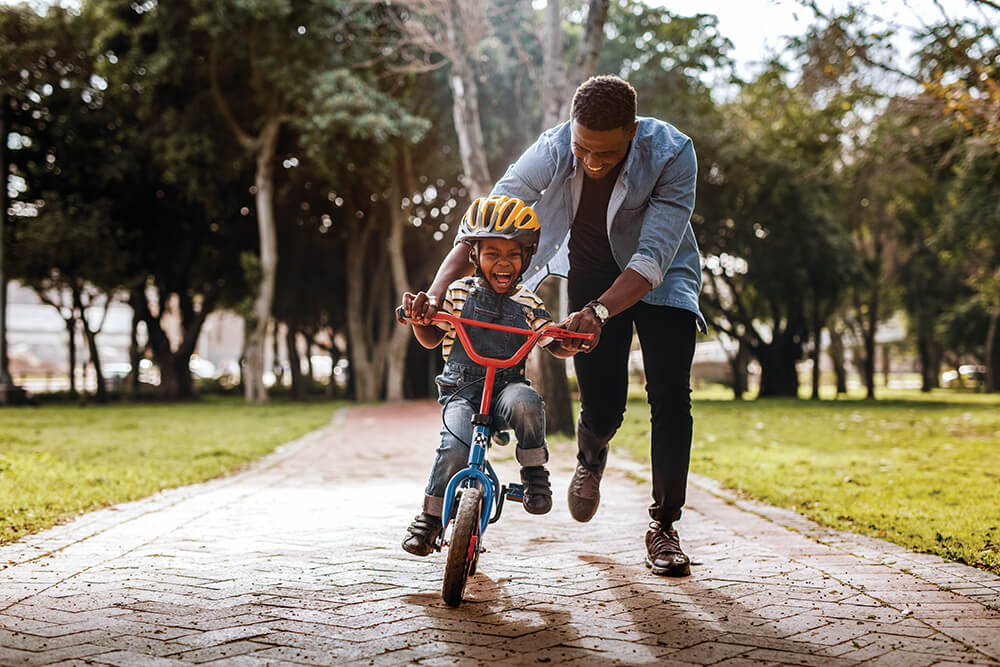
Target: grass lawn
x=59, y=460
x=921, y=471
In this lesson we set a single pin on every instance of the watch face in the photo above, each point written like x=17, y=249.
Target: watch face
x=600, y=310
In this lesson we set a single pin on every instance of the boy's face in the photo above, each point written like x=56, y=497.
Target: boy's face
x=500, y=261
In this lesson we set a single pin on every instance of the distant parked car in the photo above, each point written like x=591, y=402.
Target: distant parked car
x=970, y=374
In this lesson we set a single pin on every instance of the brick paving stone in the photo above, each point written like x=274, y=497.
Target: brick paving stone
x=708, y=653
x=213, y=653
x=296, y=561
x=130, y=658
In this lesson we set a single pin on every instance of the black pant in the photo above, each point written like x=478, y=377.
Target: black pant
x=667, y=337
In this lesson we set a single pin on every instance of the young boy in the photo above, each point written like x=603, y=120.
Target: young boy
x=502, y=233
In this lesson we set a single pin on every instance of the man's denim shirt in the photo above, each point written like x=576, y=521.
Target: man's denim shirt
x=649, y=214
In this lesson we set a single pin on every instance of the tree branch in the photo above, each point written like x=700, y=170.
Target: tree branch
x=247, y=141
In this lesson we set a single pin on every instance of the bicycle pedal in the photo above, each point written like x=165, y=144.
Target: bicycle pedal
x=515, y=491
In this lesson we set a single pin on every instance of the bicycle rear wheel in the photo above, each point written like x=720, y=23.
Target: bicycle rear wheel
x=464, y=547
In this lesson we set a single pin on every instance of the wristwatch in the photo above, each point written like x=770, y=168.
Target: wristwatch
x=600, y=310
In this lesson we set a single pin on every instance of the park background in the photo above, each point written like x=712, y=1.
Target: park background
x=219, y=204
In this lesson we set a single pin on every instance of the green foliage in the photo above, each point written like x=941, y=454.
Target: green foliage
x=59, y=461
x=919, y=473
x=776, y=243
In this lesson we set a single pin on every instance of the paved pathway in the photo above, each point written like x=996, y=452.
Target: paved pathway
x=296, y=561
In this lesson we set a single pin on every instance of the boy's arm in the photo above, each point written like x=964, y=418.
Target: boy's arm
x=428, y=335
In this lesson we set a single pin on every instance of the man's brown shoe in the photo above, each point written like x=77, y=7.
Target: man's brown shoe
x=663, y=552
x=584, y=493
x=421, y=534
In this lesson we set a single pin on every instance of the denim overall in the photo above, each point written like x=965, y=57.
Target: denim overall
x=515, y=404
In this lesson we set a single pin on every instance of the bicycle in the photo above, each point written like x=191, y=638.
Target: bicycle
x=472, y=492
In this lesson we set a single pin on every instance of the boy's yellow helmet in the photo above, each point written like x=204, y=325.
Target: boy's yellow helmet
x=500, y=217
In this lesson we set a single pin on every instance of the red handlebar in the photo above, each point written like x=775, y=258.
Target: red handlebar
x=489, y=362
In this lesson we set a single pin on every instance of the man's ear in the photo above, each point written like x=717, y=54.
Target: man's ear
x=635, y=128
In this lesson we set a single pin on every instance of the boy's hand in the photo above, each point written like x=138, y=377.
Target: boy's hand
x=583, y=321
x=420, y=307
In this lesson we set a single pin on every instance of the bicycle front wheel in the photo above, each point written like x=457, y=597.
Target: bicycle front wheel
x=464, y=547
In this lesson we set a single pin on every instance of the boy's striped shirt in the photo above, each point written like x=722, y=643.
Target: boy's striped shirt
x=458, y=292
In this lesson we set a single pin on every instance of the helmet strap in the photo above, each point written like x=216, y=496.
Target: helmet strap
x=474, y=257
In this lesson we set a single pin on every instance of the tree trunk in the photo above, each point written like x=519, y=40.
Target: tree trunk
x=778, y=375
x=254, y=390
x=309, y=358
x=817, y=331
x=294, y=362
x=993, y=352
x=175, y=378
x=585, y=64
x=400, y=335
x=363, y=348
x=71, y=333
x=836, y=352
x=134, y=355
x=465, y=104
x=550, y=375
x=277, y=369
x=554, y=70
x=91, y=337
x=175, y=375
x=738, y=369
x=869, y=341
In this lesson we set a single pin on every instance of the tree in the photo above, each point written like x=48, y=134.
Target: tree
x=453, y=30
x=772, y=225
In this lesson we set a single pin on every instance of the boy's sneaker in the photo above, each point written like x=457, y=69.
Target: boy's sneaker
x=537, y=492
x=584, y=493
x=421, y=534
x=663, y=552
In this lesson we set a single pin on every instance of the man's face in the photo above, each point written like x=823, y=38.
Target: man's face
x=501, y=261
x=600, y=150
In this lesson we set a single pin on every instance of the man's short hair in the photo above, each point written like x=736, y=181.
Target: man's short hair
x=604, y=103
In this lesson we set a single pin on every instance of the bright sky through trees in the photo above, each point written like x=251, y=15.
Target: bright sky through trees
x=757, y=28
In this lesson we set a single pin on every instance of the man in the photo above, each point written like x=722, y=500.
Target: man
x=614, y=194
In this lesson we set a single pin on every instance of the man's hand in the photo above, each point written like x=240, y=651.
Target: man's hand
x=420, y=307
x=583, y=321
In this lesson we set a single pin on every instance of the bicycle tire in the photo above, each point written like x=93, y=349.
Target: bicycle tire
x=463, y=549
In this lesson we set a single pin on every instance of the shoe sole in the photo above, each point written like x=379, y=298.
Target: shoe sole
x=538, y=511
x=415, y=552
x=680, y=571
x=583, y=518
